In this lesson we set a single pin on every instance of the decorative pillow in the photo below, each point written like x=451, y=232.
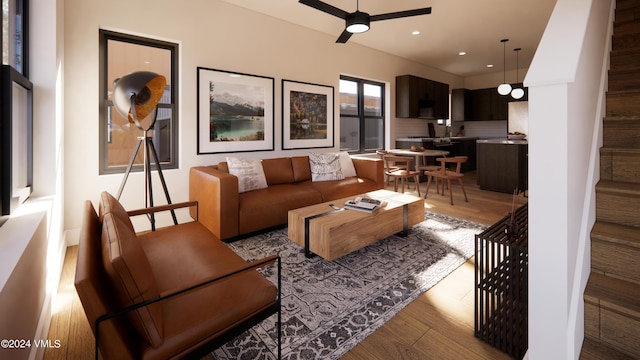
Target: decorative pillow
x=346, y=165
x=325, y=167
x=249, y=172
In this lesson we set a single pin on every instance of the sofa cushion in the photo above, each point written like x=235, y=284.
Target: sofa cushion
x=278, y=171
x=265, y=208
x=109, y=204
x=249, y=172
x=346, y=165
x=129, y=271
x=325, y=167
x=301, y=168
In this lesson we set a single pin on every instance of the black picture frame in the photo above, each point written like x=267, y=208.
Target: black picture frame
x=244, y=113
x=16, y=136
x=307, y=115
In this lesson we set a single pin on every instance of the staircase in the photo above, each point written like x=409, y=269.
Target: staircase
x=612, y=296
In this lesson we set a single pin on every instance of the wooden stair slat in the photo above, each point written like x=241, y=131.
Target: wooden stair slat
x=595, y=350
x=614, y=251
x=621, y=132
x=623, y=103
x=620, y=164
x=618, y=202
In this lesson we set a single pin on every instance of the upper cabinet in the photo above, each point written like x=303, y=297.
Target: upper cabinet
x=481, y=104
x=421, y=98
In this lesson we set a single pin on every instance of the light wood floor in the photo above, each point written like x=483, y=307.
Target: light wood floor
x=438, y=325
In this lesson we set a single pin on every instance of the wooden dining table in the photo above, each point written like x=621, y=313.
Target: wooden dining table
x=423, y=154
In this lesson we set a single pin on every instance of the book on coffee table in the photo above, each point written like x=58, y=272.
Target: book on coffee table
x=363, y=204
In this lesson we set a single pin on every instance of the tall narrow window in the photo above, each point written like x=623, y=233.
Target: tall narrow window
x=122, y=54
x=15, y=35
x=361, y=115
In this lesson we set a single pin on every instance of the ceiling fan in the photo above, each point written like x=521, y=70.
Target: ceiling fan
x=358, y=21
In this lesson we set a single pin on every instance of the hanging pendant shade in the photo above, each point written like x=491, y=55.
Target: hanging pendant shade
x=504, y=88
x=518, y=92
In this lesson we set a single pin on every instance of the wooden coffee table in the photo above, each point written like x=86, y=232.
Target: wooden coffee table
x=330, y=231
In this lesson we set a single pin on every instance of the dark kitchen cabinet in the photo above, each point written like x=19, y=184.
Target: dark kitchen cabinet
x=461, y=104
x=421, y=98
x=479, y=105
x=502, y=167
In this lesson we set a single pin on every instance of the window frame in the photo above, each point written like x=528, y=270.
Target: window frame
x=361, y=116
x=21, y=66
x=105, y=103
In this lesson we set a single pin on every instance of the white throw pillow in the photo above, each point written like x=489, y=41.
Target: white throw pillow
x=249, y=172
x=346, y=165
x=325, y=166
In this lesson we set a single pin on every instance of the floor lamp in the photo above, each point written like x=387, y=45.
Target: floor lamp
x=136, y=97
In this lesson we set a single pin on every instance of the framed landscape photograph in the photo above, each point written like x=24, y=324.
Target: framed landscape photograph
x=307, y=115
x=235, y=112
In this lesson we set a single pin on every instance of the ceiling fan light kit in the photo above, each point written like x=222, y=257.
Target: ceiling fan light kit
x=358, y=22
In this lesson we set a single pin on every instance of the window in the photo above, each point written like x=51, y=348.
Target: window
x=14, y=35
x=122, y=54
x=361, y=115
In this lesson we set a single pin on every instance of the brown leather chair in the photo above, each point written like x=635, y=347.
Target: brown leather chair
x=400, y=169
x=446, y=175
x=177, y=292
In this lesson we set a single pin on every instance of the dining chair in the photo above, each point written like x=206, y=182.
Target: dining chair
x=381, y=154
x=400, y=169
x=447, y=175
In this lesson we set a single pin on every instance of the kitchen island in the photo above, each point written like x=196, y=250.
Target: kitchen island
x=502, y=165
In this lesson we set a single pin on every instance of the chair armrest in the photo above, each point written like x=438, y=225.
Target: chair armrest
x=159, y=208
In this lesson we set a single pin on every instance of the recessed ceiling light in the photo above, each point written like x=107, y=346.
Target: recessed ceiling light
x=490, y=65
x=462, y=53
x=415, y=32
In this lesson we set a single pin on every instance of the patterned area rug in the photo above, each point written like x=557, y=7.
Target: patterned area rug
x=330, y=306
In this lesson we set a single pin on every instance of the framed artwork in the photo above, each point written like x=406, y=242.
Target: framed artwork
x=235, y=112
x=307, y=115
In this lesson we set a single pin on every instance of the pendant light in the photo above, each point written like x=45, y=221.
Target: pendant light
x=504, y=88
x=518, y=91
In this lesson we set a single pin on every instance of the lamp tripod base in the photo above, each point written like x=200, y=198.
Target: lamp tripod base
x=149, y=151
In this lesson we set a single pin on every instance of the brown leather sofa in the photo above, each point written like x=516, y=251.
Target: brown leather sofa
x=229, y=214
x=171, y=293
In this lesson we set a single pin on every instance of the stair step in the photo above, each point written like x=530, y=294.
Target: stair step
x=623, y=103
x=626, y=4
x=625, y=59
x=615, y=250
x=595, y=350
x=627, y=14
x=612, y=312
x=618, y=202
x=621, y=132
x=622, y=42
x=619, y=164
x=624, y=80
x=626, y=23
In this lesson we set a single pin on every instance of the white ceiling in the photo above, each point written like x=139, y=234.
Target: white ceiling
x=473, y=26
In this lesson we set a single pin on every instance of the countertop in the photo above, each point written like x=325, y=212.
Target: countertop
x=502, y=141
x=436, y=139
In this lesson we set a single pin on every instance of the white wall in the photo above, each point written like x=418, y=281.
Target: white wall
x=211, y=34
x=566, y=106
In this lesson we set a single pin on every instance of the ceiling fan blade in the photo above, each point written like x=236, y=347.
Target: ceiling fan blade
x=344, y=37
x=324, y=7
x=401, y=14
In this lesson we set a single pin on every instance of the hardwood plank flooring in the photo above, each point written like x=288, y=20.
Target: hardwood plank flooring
x=437, y=325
